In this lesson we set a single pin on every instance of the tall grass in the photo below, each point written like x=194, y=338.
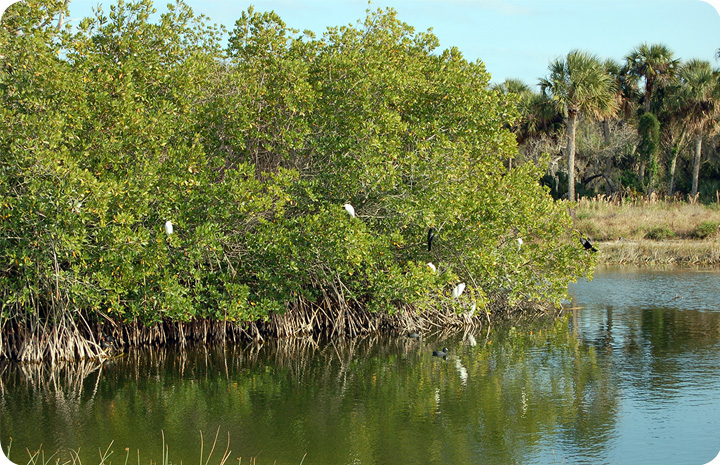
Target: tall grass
x=650, y=252
x=651, y=231
x=606, y=220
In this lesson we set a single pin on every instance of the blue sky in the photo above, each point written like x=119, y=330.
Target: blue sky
x=514, y=38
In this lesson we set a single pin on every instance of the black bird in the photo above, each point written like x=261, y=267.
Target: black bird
x=431, y=236
x=588, y=246
x=440, y=353
x=107, y=342
x=413, y=336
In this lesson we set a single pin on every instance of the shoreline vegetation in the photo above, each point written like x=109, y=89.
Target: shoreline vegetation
x=651, y=232
x=39, y=457
x=159, y=184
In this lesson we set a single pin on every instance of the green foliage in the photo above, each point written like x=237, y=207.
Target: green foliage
x=251, y=152
x=630, y=180
x=706, y=229
x=649, y=131
x=649, y=145
x=660, y=233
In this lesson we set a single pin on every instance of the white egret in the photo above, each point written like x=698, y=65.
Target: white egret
x=432, y=267
x=458, y=290
x=349, y=208
x=520, y=242
x=168, y=227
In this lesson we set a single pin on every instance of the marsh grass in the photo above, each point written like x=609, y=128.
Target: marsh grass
x=651, y=231
x=651, y=252
x=610, y=220
x=37, y=457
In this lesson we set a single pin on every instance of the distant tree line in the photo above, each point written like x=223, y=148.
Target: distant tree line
x=648, y=124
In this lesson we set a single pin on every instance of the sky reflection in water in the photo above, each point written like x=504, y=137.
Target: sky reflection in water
x=660, y=332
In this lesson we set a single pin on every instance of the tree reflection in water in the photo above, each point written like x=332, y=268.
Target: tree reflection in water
x=502, y=396
x=614, y=384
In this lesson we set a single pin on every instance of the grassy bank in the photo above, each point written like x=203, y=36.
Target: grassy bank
x=632, y=231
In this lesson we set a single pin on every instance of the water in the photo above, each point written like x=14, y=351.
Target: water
x=660, y=333
x=630, y=377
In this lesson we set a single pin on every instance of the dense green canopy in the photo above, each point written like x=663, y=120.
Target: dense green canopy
x=251, y=152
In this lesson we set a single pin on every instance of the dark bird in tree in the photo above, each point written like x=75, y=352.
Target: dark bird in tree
x=588, y=246
x=431, y=236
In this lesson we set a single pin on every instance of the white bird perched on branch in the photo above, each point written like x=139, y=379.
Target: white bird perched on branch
x=432, y=267
x=519, y=242
x=168, y=227
x=349, y=208
x=458, y=290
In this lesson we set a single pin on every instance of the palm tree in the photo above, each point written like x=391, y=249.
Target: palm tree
x=536, y=114
x=673, y=129
x=626, y=90
x=512, y=86
x=539, y=123
x=655, y=63
x=626, y=94
x=699, y=101
x=579, y=85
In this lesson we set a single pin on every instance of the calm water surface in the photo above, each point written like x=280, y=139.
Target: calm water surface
x=631, y=377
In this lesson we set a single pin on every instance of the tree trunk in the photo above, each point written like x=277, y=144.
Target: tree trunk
x=673, y=162
x=609, y=185
x=696, y=163
x=648, y=94
x=606, y=131
x=571, y=123
x=641, y=173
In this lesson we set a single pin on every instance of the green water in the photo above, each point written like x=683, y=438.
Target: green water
x=631, y=377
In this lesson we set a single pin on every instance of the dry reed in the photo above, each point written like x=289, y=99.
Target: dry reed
x=648, y=252
x=610, y=219
x=651, y=231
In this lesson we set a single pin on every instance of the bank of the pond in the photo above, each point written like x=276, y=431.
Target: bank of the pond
x=668, y=252
x=651, y=232
x=67, y=340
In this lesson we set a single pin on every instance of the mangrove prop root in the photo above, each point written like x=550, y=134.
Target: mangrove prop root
x=332, y=315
